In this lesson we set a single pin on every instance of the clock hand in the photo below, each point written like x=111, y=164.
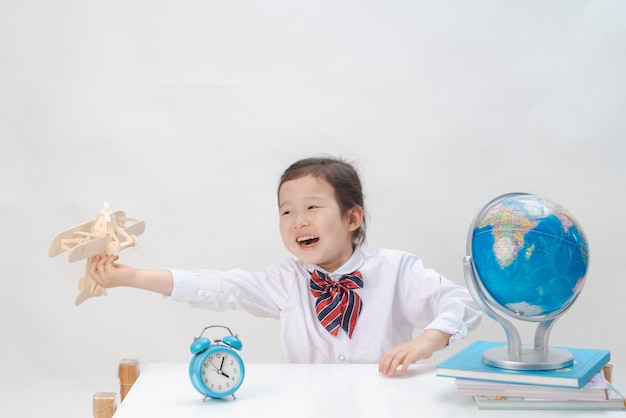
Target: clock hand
x=211, y=362
x=221, y=367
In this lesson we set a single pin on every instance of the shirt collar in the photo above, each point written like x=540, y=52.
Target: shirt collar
x=353, y=264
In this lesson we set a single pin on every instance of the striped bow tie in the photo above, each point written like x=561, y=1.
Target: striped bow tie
x=337, y=303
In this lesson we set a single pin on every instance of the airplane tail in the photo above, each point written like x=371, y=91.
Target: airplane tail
x=88, y=288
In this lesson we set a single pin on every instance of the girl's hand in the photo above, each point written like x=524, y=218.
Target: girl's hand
x=107, y=273
x=420, y=348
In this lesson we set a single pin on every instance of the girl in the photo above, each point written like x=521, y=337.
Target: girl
x=336, y=302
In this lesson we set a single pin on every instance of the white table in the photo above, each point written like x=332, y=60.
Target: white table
x=312, y=390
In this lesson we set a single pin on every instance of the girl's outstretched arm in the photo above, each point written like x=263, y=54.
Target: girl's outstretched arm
x=108, y=273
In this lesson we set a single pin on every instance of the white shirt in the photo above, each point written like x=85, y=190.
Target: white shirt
x=399, y=295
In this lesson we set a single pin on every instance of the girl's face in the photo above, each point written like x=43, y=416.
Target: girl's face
x=311, y=223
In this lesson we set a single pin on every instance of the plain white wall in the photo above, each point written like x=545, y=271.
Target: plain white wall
x=185, y=113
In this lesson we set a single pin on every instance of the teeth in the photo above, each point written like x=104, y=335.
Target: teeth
x=306, y=238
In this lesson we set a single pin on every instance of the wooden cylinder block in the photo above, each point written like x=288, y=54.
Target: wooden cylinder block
x=128, y=374
x=104, y=405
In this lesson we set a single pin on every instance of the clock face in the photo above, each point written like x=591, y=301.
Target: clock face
x=221, y=372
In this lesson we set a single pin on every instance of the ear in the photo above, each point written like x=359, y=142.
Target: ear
x=355, y=218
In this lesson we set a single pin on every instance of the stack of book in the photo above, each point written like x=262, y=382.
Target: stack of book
x=586, y=385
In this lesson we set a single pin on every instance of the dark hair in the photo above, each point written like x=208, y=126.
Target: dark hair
x=341, y=175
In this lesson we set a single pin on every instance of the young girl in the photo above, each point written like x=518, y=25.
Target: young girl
x=336, y=302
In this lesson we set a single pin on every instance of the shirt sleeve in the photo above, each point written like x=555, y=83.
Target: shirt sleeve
x=436, y=302
x=262, y=294
x=456, y=313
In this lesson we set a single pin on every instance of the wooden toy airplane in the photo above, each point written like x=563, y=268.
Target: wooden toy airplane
x=108, y=234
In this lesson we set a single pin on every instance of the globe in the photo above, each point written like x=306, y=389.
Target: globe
x=530, y=256
x=527, y=258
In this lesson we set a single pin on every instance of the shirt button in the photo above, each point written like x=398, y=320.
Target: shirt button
x=342, y=357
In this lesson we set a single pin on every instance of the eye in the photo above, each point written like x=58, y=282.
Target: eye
x=313, y=207
x=285, y=212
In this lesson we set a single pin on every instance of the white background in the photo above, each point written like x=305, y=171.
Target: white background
x=185, y=113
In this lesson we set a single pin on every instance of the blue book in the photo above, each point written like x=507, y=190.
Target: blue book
x=468, y=364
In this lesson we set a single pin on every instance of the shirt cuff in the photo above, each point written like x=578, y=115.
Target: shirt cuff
x=185, y=286
x=450, y=324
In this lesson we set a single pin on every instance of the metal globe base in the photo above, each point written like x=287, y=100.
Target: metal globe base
x=514, y=355
x=528, y=358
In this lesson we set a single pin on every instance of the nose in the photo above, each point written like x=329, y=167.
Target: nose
x=300, y=221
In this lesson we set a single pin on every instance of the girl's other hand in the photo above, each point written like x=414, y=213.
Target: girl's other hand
x=420, y=348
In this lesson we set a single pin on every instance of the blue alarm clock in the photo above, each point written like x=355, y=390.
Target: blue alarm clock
x=216, y=370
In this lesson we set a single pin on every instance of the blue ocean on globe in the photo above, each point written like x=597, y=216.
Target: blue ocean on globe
x=530, y=255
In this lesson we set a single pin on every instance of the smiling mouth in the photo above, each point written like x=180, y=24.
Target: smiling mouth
x=308, y=240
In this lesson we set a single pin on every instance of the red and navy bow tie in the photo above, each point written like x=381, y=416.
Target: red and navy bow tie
x=337, y=303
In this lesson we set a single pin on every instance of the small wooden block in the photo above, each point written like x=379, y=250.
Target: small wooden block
x=608, y=372
x=104, y=405
x=128, y=374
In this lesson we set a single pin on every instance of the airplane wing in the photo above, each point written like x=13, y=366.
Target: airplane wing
x=55, y=246
x=136, y=228
x=89, y=248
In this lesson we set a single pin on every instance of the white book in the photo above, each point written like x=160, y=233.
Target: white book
x=595, y=389
x=615, y=402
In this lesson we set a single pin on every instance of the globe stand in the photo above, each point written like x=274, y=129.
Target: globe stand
x=515, y=356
